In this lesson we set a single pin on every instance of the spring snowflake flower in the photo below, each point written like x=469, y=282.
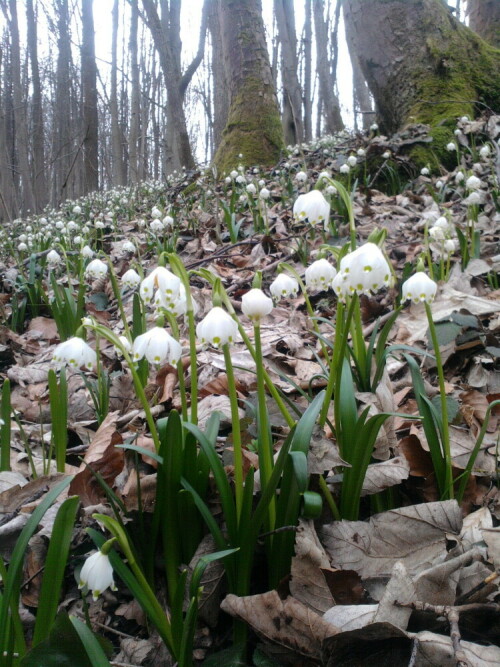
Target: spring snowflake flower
x=451, y=146
x=284, y=286
x=131, y=279
x=425, y=171
x=459, y=177
x=256, y=305
x=96, y=269
x=345, y=169
x=352, y=161
x=22, y=247
x=386, y=155
x=313, y=207
x=363, y=271
x=361, y=152
x=264, y=194
x=158, y=346
x=126, y=343
x=97, y=574
x=128, y=246
x=168, y=221
x=157, y=226
x=474, y=199
x=251, y=189
x=53, y=258
x=473, y=183
x=175, y=305
x=439, y=184
x=301, y=176
x=217, y=328
x=87, y=252
x=162, y=279
x=319, y=275
x=234, y=174
x=485, y=151
x=74, y=352
x=155, y=212
x=419, y=288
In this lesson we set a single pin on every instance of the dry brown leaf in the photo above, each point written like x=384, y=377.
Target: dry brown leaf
x=416, y=535
x=380, y=476
x=209, y=603
x=296, y=630
x=323, y=454
x=43, y=328
x=130, y=495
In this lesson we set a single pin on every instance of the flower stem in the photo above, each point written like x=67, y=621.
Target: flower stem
x=236, y=431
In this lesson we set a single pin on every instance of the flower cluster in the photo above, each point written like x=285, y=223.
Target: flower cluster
x=363, y=271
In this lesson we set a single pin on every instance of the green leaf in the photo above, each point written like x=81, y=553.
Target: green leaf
x=92, y=647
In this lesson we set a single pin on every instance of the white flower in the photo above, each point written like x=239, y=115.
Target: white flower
x=227, y=180
x=234, y=174
x=324, y=176
x=126, y=343
x=128, y=246
x=264, y=194
x=155, y=212
x=22, y=247
x=168, y=221
x=473, y=183
x=96, y=269
x=313, y=207
x=256, y=305
x=77, y=210
x=284, y=286
x=352, y=161
x=485, y=151
x=53, y=258
x=97, y=574
x=251, y=189
x=319, y=275
x=425, y=171
x=158, y=346
x=419, y=288
x=71, y=226
x=345, y=169
x=217, y=328
x=130, y=279
x=439, y=184
x=386, y=155
x=449, y=246
x=437, y=233
x=99, y=224
x=240, y=179
x=162, y=279
x=451, y=146
x=361, y=152
x=157, y=226
x=374, y=127
x=176, y=305
x=301, y=176
x=457, y=132
x=74, y=352
x=87, y=252
x=77, y=240
x=364, y=270
x=459, y=177
x=464, y=119
x=473, y=199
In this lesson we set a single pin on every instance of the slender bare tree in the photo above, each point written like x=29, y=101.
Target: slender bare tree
x=89, y=90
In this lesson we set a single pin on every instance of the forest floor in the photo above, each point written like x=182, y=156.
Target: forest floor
x=414, y=580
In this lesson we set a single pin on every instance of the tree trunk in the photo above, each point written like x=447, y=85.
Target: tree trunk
x=38, y=164
x=62, y=158
x=292, y=93
x=135, y=101
x=484, y=19
x=326, y=72
x=253, y=127
x=118, y=176
x=89, y=90
x=221, y=85
x=361, y=96
x=8, y=204
x=420, y=63
x=307, y=71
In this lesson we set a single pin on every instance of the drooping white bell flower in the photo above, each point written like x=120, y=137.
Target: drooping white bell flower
x=319, y=275
x=22, y=247
x=312, y=207
x=451, y=146
x=157, y=226
x=158, y=346
x=425, y=171
x=284, y=286
x=256, y=305
x=365, y=270
x=177, y=306
x=53, y=258
x=419, y=288
x=264, y=194
x=74, y=352
x=301, y=176
x=217, y=328
x=473, y=183
x=345, y=169
x=96, y=269
x=97, y=574
x=87, y=252
x=155, y=212
x=128, y=246
x=164, y=280
x=131, y=279
x=352, y=161
x=485, y=151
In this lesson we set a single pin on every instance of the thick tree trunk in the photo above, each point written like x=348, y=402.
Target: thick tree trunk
x=118, y=173
x=363, y=105
x=135, y=101
x=484, y=19
x=307, y=71
x=221, y=85
x=292, y=93
x=253, y=127
x=89, y=90
x=326, y=72
x=421, y=64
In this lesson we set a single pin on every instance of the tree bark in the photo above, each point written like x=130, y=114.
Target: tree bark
x=326, y=72
x=292, y=93
x=307, y=71
x=118, y=172
x=363, y=104
x=420, y=63
x=484, y=19
x=135, y=100
x=253, y=127
x=220, y=83
x=89, y=90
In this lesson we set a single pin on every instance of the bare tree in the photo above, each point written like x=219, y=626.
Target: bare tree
x=89, y=90
x=484, y=18
x=117, y=158
x=135, y=100
x=362, y=101
x=292, y=92
x=253, y=126
x=220, y=83
x=307, y=71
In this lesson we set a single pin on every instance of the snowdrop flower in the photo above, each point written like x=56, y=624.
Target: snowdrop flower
x=256, y=305
x=87, y=252
x=425, y=171
x=449, y=246
x=77, y=240
x=158, y=346
x=451, y=146
x=419, y=288
x=319, y=275
x=74, y=352
x=301, y=176
x=473, y=183
x=155, y=212
x=284, y=286
x=22, y=247
x=313, y=207
x=217, y=328
x=473, y=199
x=364, y=270
x=96, y=269
x=361, y=152
x=130, y=279
x=97, y=574
x=386, y=155
x=459, y=177
x=352, y=161
x=77, y=210
x=156, y=226
x=345, y=169
x=99, y=224
x=125, y=343
x=374, y=127
x=439, y=184
x=168, y=221
x=331, y=190
x=241, y=179
x=485, y=151
x=457, y=132
x=234, y=174
x=251, y=189
x=162, y=279
x=53, y=257
x=128, y=246
x=264, y=194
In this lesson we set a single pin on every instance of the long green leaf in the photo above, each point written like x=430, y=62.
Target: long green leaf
x=92, y=647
